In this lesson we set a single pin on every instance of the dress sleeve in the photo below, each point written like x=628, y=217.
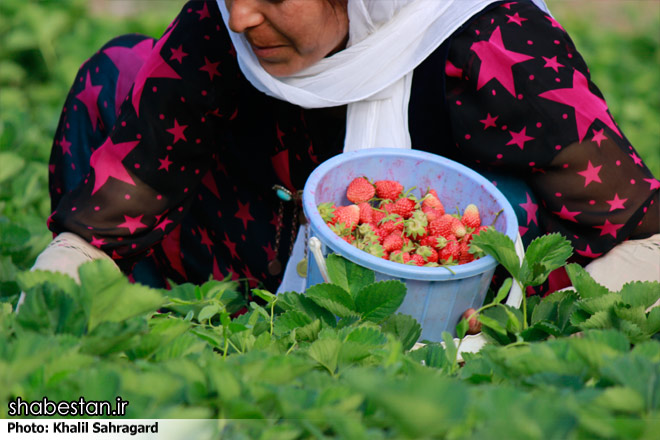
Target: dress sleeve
x=521, y=102
x=165, y=138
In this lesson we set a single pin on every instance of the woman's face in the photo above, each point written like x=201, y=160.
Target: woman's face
x=289, y=35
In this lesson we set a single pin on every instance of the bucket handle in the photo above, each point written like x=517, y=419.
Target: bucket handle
x=315, y=247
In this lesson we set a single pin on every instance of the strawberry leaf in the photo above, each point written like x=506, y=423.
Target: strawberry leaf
x=377, y=301
x=500, y=247
x=585, y=286
x=333, y=298
x=640, y=293
x=350, y=276
x=404, y=327
x=544, y=254
x=300, y=303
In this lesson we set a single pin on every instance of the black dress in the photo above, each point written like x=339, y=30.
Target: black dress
x=165, y=155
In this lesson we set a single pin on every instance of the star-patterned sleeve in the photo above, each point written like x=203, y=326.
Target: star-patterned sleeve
x=521, y=102
x=164, y=138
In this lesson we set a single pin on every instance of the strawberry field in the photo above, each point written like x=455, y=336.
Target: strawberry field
x=336, y=361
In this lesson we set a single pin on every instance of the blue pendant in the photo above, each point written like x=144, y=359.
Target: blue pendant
x=283, y=195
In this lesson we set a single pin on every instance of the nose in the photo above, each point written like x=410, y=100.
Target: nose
x=243, y=14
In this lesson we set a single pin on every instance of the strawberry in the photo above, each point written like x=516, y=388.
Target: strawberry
x=377, y=215
x=431, y=200
x=474, y=326
x=434, y=241
x=471, y=218
x=415, y=226
x=450, y=253
x=360, y=190
x=393, y=242
x=404, y=207
x=417, y=259
x=327, y=211
x=349, y=216
x=429, y=254
x=388, y=189
x=464, y=256
x=400, y=257
x=432, y=213
x=366, y=213
x=391, y=223
x=446, y=225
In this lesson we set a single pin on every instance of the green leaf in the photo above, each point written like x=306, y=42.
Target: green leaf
x=367, y=336
x=64, y=283
x=513, y=322
x=326, y=353
x=500, y=247
x=112, y=337
x=462, y=327
x=544, y=254
x=503, y=291
x=451, y=351
x=112, y=297
x=299, y=302
x=640, y=293
x=621, y=399
x=265, y=295
x=653, y=321
x=208, y=312
x=431, y=355
x=12, y=164
x=350, y=276
x=377, y=301
x=404, y=327
x=583, y=283
x=333, y=298
x=599, y=303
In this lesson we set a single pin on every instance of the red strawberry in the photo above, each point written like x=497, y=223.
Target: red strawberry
x=446, y=225
x=391, y=223
x=434, y=241
x=417, y=259
x=465, y=256
x=431, y=200
x=366, y=212
x=377, y=216
x=450, y=252
x=404, y=207
x=393, y=242
x=432, y=213
x=388, y=189
x=429, y=254
x=471, y=217
x=400, y=257
x=360, y=190
x=349, y=216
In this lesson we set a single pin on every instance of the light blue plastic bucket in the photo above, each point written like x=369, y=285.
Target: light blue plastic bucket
x=436, y=297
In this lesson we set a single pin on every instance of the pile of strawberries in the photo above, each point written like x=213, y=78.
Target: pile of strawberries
x=390, y=223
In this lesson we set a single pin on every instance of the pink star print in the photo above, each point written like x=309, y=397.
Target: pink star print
x=89, y=96
x=231, y=246
x=132, y=223
x=516, y=18
x=616, y=203
x=270, y=253
x=531, y=209
x=554, y=23
x=496, y=61
x=598, y=136
x=98, y=242
x=565, y=214
x=128, y=61
x=655, y=183
x=209, y=182
x=154, y=67
x=165, y=163
x=163, y=224
x=636, y=159
x=206, y=240
x=177, y=131
x=244, y=214
x=203, y=13
x=587, y=252
x=552, y=63
x=107, y=162
x=489, y=121
x=66, y=146
x=178, y=54
x=519, y=138
x=591, y=174
x=588, y=107
x=210, y=68
x=609, y=228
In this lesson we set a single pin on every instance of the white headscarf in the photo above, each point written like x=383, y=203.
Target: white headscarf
x=387, y=40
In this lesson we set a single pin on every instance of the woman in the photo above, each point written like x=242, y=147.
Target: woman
x=167, y=150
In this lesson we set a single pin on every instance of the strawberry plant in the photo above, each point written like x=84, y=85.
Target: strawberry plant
x=337, y=361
